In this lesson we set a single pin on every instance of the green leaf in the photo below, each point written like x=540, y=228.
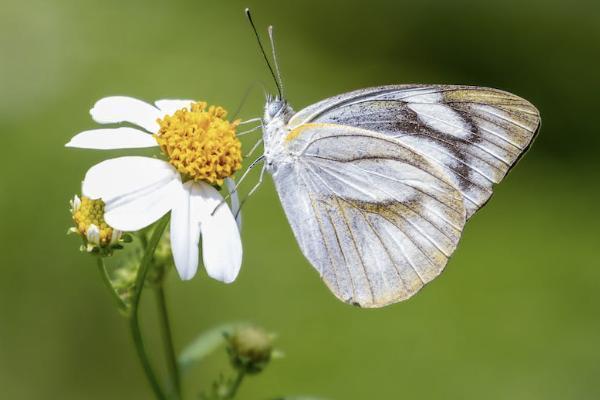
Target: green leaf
x=204, y=344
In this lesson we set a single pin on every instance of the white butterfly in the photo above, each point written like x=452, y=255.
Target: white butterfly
x=378, y=183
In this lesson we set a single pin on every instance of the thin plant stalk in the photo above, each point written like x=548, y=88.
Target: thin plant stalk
x=134, y=322
x=236, y=384
x=168, y=340
x=108, y=284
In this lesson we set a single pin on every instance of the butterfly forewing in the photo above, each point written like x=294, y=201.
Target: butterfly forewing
x=474, y=134
x=374, y=217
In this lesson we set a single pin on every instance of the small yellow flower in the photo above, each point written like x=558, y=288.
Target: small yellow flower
x=88, y=216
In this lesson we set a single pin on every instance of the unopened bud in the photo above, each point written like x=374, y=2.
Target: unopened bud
x=97, y=235
x=250, y=349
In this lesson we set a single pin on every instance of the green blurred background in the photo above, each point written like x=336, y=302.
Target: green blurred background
x=515, y=315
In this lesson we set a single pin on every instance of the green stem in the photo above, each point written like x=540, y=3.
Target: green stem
x=136, y=332
x=108, y=283
x=143, y=239
x=236, y=384
x=168, y=340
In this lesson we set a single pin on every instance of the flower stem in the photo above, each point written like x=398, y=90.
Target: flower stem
x=236, y=384
x=168, y=340
x=134, y=322
x=108, y=283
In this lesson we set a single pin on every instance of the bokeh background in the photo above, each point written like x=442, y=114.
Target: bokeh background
x=515, y=315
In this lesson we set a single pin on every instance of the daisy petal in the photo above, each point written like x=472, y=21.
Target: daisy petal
x=110, y=110
x=221, y=244
x=136, y=190
x=115, y=138
x=185, y=232
x=235, y=202
x=169, y=106
x=93, y=234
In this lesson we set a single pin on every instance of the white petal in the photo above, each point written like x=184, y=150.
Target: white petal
x=93, y=234
x=116, y=235
x=185, y=232
x=140, y=211
x=136, y=190
x=235, y=202
x=75, y=204
x=169, y=106
x=221, y=243
x=110, y=110
x=115, y=138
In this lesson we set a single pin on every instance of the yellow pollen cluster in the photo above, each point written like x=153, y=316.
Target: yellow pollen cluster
x=201, y=143
x=91, y=212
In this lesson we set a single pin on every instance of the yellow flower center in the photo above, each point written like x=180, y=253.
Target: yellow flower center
x=91, y=212
x=200, y=143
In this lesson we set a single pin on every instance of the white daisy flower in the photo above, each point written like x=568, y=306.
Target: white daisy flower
x=202, y=150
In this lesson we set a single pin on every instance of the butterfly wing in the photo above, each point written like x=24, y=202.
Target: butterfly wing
x=474, y=134
x=375, y=218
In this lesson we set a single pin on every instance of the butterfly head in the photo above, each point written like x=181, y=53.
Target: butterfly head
x=277, y=108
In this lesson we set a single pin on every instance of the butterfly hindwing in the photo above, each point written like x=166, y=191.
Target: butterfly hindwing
x=474, y=134
x=373, y=216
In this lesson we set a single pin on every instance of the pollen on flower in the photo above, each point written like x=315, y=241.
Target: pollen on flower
x=200, y=143
x=88, y=216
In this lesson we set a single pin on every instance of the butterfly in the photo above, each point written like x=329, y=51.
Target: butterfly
x=378, y=183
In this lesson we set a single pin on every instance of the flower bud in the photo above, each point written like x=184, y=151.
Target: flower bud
x=250, y=349
x=97, y=235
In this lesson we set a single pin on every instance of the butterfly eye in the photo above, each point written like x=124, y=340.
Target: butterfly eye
x=274, y=107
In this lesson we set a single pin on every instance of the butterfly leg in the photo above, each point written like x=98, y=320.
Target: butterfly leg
x=253, y=149
x=249, y=121
x=239, y=182
x=254, y=189
x=235, y=201
x=249, y=130
x=247, y=171
x=260, y=181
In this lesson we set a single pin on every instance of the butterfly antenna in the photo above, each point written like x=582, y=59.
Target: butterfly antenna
x=272, y=40
x=262, y=50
